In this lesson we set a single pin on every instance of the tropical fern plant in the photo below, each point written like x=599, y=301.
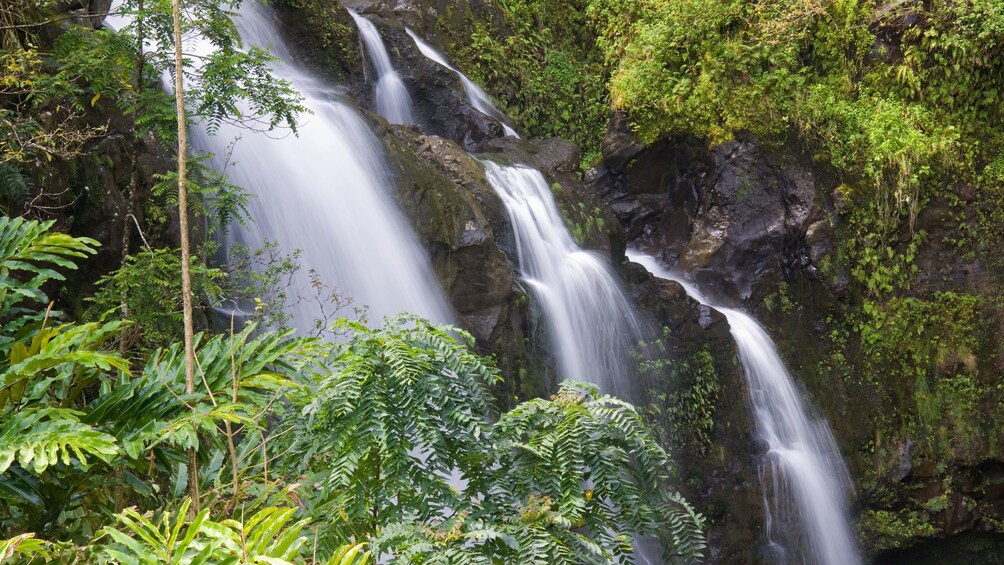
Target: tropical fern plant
x=573, y=480
x=399, y=449
x=401, y=411
x=591, y=460
x=383, y=443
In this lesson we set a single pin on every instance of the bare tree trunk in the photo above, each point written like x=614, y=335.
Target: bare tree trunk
x=186, y=277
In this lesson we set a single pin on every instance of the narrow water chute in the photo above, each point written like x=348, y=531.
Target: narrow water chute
x=804, y=479
x=591, y=324
x=476, y=96
x=392, y=99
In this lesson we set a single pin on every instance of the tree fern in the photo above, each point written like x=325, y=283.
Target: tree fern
x=402, y=409
x=592, y=459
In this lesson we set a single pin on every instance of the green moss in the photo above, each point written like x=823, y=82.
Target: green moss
x=684, y=394
x=323, y=32
x=543, y=65
x=883, y=530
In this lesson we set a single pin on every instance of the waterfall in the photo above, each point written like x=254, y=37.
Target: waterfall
x=392, y=99
x=804, y=480
x=476, y=95
x=324, y=192
x=591, y=324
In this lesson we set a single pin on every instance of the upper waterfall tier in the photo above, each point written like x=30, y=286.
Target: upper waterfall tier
x=324, y=192
x=476, y=95
x=392, y=99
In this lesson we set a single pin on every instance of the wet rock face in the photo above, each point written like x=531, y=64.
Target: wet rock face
x=323, y=38
x=458, y=216
x=89, y=13
x=441, y=105
x=720, y=479
x=944, y=223
x=462, y=223
x=326, y=40
x=738, y=212
x=87, y=196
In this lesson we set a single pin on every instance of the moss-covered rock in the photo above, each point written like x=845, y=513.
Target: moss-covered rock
x=321, y=33
x=908, y=379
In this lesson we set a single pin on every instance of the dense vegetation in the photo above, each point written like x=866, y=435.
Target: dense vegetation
x=902, y=100
x=900, y=108
x=381, y=444
x=305, y=448
x=308, y=451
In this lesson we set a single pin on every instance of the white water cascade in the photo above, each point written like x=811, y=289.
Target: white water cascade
x=476, y=95
x=804, y=479
x=392, y=99
x=591, y=324
x=324, y=192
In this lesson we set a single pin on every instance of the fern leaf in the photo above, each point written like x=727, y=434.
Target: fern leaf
x=40, y=437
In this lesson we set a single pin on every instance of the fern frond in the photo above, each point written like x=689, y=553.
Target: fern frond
x=268, y=536
x=37, y=438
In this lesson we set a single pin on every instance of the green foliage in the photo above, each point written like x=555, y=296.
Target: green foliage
x=149, y=284
x=25, y=546
x=900, y=99
x=35, y=124
x=928, y=353
x=881, y=266
x=48, y=92
x=14, y=187
x=212, y=194
x=38, y=438
x=263, y=277
x=686, y=391
x=405, y=408
x=402, y=408
x=45, y=368
x=268, y=536
x=373, y=426
x=557, y=449
x=544, y=69
x=584, y=226
x=29, y=255
x=883, y=529
x=230, y=84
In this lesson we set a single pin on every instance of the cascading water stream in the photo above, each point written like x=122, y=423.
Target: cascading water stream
x=476, y=95
x=392, y=99
x=323, y=192
x=805, y=481
x=591, y=323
